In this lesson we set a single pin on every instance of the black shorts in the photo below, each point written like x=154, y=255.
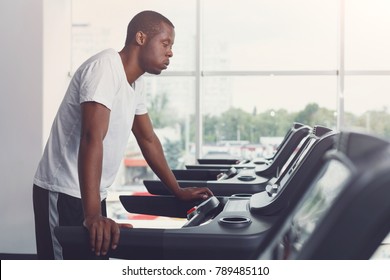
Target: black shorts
x=53, y=209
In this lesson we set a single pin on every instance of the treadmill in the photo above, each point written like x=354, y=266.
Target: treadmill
x=221, y=227
x=210, y=170
x=286, y=148
x=222, y=161
x=345, y=213
x=244, y=180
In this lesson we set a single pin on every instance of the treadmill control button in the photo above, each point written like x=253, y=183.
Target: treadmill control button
x=191, y=212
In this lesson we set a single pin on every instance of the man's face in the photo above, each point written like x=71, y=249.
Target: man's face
x=157, y=50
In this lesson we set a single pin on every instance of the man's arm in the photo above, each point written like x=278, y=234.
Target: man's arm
x=152, y=151
x=95, y=118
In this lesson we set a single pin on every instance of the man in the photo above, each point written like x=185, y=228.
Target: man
x=103, y=103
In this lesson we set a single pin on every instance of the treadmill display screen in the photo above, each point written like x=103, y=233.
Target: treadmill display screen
x=316, y=203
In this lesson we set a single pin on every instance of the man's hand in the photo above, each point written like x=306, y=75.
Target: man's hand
x=193, y=193
x=104, y=233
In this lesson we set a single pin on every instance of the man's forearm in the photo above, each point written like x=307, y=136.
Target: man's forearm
x=154, y=155
x=90, y=170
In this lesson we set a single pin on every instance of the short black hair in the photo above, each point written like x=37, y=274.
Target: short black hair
x=148, y=22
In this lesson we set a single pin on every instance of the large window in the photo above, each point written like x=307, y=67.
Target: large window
x=252, y=35
x=367, y=66
x=243, y=71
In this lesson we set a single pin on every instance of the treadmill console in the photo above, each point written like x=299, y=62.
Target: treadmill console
x=202, y=212
x=314, y=206
x=331, y=221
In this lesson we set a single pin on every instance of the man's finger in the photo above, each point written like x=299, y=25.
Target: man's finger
x=98, y=240
x=92, y=237
x=205, y=192
x=115, y=234
x=125, y=225
x=106, y=240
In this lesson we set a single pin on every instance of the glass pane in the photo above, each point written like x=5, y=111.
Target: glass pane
x=171, y=106
x=248, y=108
x=367, y=39
x=93, y=32
x=169, y=102
x=367, y=104
x=270, y=35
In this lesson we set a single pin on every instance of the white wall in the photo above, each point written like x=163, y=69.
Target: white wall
x=57, y=58
x=27, y=104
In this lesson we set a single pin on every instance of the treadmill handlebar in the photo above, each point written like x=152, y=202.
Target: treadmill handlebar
x=144, y=243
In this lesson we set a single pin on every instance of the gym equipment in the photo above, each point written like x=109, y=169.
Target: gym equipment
x=246, y=180
x=268, y=166
x=221, y=161
x=346, y=211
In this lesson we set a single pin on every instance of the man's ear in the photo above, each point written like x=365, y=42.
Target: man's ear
x=140, y=38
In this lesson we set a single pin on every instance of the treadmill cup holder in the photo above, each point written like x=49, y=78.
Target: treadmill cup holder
x=246, y=178
x=235, y=222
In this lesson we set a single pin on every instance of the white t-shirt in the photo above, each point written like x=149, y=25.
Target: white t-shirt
x=100, y=79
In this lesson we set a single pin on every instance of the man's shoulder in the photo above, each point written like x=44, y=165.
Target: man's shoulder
x=107, y=54
x=107, y=57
